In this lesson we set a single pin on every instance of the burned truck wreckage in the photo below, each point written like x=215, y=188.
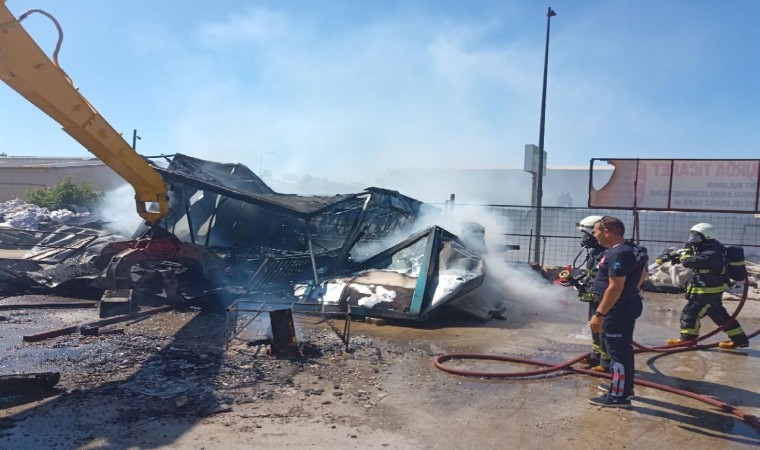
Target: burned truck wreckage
x=230, y=235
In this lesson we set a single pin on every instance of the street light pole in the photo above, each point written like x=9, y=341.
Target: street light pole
x=135, y=138
x=539, y=185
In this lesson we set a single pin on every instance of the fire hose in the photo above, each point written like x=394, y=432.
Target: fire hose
x=549, y=367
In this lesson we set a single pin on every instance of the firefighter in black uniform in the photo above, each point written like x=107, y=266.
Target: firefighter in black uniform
x=598, y=360
x=704, y=291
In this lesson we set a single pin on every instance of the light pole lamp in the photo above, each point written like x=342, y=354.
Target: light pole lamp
x=539, y=185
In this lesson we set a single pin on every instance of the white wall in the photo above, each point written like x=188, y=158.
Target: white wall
x=19, y=175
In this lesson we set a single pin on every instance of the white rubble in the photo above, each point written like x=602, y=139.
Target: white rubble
x=667, y=275
x=19, y=214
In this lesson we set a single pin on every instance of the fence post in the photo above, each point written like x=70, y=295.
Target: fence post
x=450, y=210
x=530, y=242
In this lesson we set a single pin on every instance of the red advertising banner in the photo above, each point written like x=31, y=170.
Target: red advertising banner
x=679, y=185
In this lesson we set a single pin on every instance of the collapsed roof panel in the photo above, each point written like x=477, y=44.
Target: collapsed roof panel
x=228, y=205
x=238, y=182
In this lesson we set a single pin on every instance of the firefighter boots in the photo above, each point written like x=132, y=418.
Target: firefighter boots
x=731, y=344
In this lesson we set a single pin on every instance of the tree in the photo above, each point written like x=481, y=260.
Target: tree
x=65, y=195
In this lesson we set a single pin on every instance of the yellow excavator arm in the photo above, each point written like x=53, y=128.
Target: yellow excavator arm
x=30, y=72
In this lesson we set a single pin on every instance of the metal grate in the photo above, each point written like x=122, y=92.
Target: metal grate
x=279, y=272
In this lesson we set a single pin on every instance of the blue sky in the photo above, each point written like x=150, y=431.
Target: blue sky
x=344, y=89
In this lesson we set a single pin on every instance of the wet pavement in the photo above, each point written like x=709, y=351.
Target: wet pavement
x=556, y=407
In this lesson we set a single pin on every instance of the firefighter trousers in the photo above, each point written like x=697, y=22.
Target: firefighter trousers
x=618, y=337
x=599, y=356
x=711, y=305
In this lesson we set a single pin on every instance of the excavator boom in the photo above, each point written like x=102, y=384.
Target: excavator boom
x=30, y=72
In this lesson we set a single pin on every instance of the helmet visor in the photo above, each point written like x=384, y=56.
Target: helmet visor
x=695, y=238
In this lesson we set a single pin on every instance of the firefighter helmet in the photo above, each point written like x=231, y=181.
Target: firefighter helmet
x=705, y=229
x=701, y=231
x=586, y=227
x=587, y=224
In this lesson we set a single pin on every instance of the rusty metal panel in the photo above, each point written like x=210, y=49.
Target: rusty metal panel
x=284, y=340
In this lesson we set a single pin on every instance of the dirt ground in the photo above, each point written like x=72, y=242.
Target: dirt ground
x=170, y=381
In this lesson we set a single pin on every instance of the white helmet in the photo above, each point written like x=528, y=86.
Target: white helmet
x=587, y=224
x=705, y=229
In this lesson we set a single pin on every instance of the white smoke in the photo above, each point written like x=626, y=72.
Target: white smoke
x=521, y=284
x=513, y=282
x=119, y=211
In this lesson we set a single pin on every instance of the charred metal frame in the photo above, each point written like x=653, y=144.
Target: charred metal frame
x=240, y=309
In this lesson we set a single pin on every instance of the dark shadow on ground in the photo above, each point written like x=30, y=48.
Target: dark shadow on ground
x=743, y=397
x=724, y=426
x=176, y=380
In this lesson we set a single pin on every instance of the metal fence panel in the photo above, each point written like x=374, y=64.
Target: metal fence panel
x=515, y=225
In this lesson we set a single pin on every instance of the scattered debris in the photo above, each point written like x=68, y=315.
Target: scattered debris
x=93, y=325
x=22, y=215
x=29, y=383
x=116, y=302
x=49, y=305
x=375, y=321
